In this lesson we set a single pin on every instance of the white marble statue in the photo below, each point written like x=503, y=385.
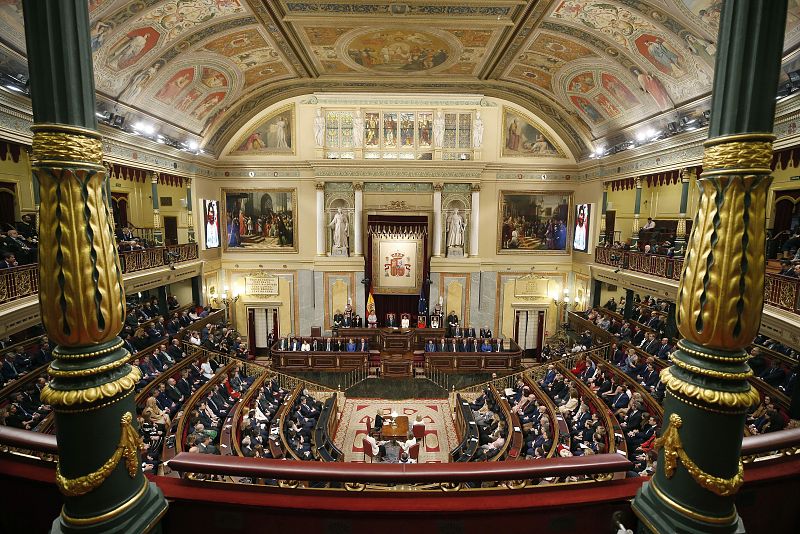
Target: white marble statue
x=455, y=230
x=319, y=129
x=358, y=130
x=341, y=229
x=438, y=130
x=477, y=132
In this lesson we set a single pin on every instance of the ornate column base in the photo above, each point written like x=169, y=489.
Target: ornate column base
x=657, y=513
x=140, y=514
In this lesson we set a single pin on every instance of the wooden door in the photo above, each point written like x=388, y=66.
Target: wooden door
x=170, y=230
x=611, y=216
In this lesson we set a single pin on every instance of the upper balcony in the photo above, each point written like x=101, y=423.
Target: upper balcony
x=781, y=293
x=23, y=281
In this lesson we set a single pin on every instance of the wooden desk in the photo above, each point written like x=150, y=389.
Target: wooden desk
x=398, y=432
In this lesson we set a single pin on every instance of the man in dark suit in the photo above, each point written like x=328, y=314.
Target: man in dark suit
x=42, y=356
x=175, y=351
x=9, y=261
x=620, y=399
x=452, y=323
x=486, y=332
x=363, y=346
x=430, y=346
x=652, y=345
x=655, y=321
x=663, y=349
x=174, y=325
x=774, y=375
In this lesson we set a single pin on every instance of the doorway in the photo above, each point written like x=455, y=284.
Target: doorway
x=262, y=329
x=170, y=230
x=529, y=331
x=119, y=208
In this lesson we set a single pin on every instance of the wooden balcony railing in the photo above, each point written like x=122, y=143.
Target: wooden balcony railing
x=19, y=282
x=780, y=291
x=23, y=281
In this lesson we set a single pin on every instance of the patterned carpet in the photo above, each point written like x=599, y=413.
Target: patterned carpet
x=440, y=434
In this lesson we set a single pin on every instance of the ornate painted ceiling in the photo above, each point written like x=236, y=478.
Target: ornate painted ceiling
x=587, y=68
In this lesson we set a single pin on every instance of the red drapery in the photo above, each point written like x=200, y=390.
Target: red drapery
x=134, y=174
x=659, y=178
x=9, y=149
x=398, y=304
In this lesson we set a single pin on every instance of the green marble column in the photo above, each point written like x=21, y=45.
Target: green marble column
x=637, y=209
x=603, y=208
x=189, y=216
x=721, y=293
x=680, y=233
x=158, y=232
x=81, y=294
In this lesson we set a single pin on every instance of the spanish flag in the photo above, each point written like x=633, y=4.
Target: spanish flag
x=370, y=303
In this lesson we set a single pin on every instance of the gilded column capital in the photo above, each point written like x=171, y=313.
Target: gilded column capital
x=605, y=186
x=358, y=186
x=686, y=175
x=58, y=144
x=319, y=186
x=475, y=188
x=188, y=182
x=438, y=186
x=638, y=182
x=154, y=178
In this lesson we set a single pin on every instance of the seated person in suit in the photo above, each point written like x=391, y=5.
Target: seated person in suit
x=363, y=346
x=430, y=346
x=378, y=424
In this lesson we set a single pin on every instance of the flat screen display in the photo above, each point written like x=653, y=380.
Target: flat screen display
x=580, y=240
x=211, y=212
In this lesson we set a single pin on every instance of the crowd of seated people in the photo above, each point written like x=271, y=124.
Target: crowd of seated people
x=492, y=431
x=24, y=409
x=766, y=417
x=205, y=421
x=19, y=244
x=638, y=426
x=537, y=428
x=257, y=422
x=219, y=338
x=127, y=240
x=323, y=344
x=467, y=344
x=300, y=423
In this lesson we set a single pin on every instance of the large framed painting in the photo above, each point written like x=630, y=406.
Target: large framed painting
x=260, y=220
x=275, y=135
x=396, y=265
x=524, y=139
x=534, y=222
x=211, y=217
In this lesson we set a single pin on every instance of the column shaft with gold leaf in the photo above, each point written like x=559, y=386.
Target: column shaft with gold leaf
x=81, y=293
x=721, y=293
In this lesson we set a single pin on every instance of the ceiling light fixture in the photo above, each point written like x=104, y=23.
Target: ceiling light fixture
x=143, y=127
x=192, y=144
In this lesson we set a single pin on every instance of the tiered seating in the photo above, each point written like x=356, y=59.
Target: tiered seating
x=557, y=429
x=231, y=438
x=467, y=429
x=768, y=359
x=183, y=427
x=322, y=439
x=612, y=431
